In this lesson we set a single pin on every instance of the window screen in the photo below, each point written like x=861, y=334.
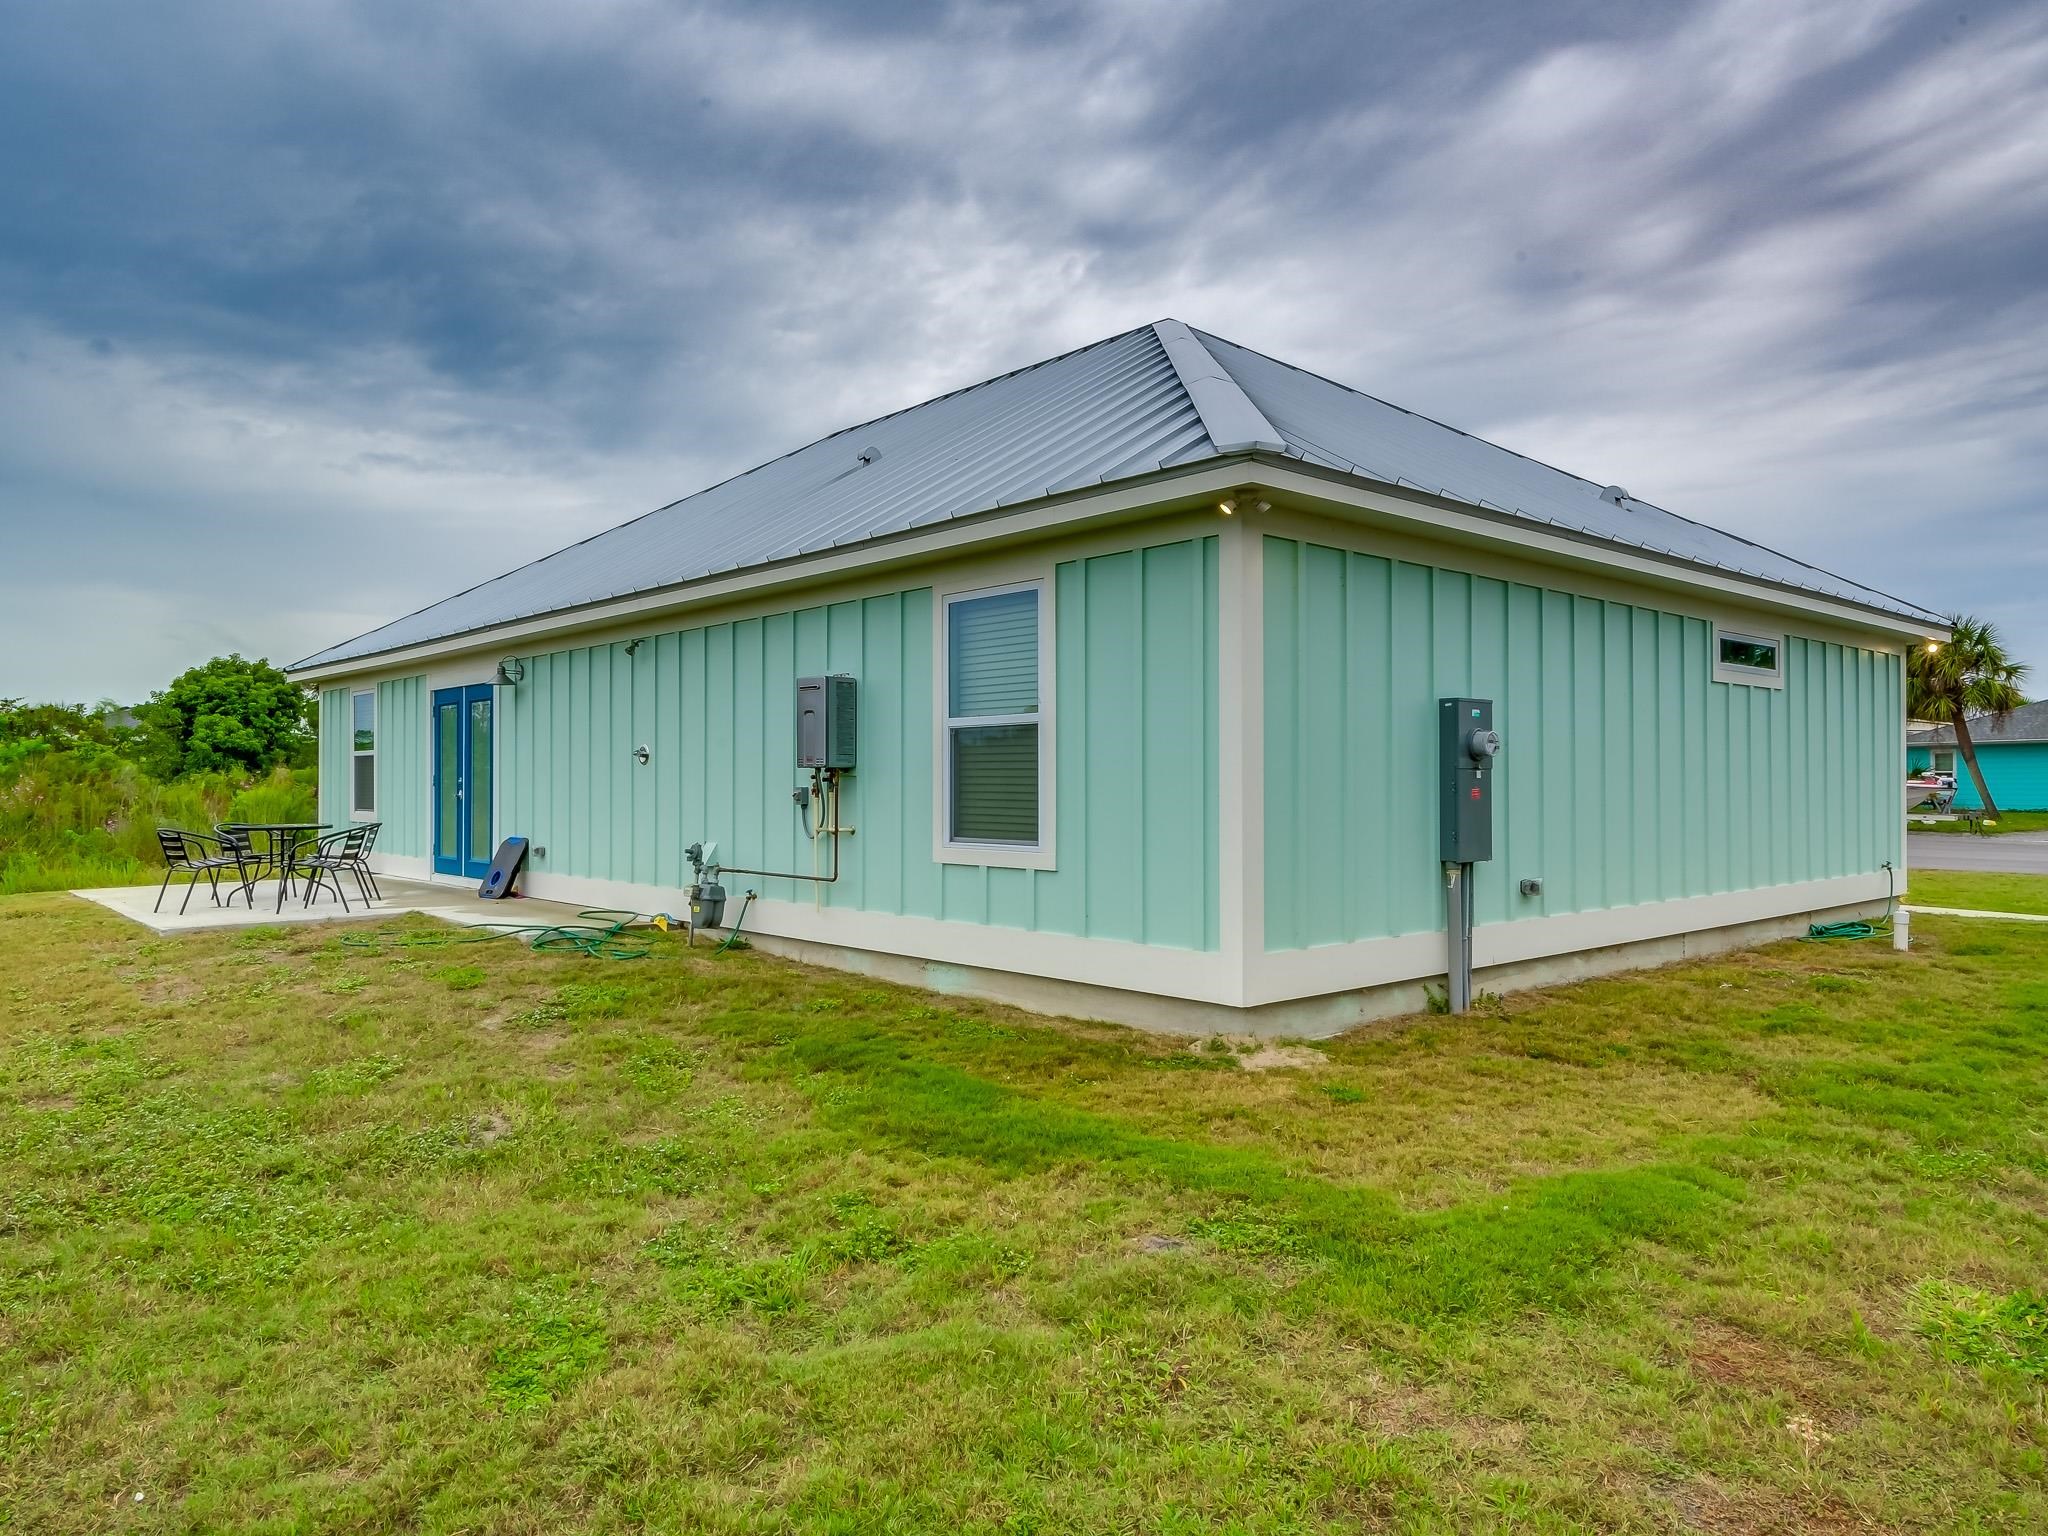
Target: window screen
x=992, y=724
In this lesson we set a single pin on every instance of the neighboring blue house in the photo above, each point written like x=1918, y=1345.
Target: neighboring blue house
x=2013, y=756
x=1111, y=686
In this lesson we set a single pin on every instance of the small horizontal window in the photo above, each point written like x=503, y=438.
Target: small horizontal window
x=1753, y=659
x=1736, y=651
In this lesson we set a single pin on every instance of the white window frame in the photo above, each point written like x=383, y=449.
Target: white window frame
x=355, y=813
x=1936, y=754
x=946, y=849
x=1753, y=677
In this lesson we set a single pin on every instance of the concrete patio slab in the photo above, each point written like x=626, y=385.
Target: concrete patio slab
x=457, y=904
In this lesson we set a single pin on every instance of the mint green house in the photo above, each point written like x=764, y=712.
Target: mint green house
x=1146, y=645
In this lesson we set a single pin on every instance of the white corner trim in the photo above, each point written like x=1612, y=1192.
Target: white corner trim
x=1241, y=744
x=1233, y=423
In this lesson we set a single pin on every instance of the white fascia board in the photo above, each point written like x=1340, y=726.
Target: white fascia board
x=1127, y=499
x=1233, y=423
x=1459, y=522
x=1426, y=515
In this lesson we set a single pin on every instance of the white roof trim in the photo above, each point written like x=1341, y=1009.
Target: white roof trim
x=1233, y=423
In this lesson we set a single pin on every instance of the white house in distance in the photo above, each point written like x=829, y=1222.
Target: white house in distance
x=1141, y=651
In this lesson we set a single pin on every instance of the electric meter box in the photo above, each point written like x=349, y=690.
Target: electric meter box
x=1466, y=746
x=827, y=721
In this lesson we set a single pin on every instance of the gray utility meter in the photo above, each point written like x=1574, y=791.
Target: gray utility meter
x=1467, y=746
x=827, y=721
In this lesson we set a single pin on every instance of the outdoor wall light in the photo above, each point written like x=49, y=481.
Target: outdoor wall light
x=511, y=672
x=1227, y=505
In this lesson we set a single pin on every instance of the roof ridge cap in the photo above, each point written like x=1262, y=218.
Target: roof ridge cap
x=1233, y=422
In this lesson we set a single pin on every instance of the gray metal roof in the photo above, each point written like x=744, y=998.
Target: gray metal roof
x=2028, y=723
x=1326, y=423
x=1153, y=398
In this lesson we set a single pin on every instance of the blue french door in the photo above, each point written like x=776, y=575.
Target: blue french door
x=462, y=780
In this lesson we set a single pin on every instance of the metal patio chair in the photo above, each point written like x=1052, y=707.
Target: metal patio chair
x=337, y=854
x=363, y=870
x=188, y=851
x=251, y=864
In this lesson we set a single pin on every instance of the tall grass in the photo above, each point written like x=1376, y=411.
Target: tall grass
x=67, y=821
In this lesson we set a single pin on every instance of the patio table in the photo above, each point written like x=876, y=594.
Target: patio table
x=282, y=842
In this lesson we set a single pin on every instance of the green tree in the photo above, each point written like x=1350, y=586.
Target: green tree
x=1970, y=677
x=229, y=716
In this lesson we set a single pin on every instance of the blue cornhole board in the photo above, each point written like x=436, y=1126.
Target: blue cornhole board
x=504, y=869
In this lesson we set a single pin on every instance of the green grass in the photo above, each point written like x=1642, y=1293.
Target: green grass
x=2008, y=821
x=301, y=1236
x=1975, y=891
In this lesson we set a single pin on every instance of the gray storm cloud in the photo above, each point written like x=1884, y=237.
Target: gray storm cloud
x=400, y=297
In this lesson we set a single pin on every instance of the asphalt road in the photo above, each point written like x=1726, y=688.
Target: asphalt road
x=2019, y=853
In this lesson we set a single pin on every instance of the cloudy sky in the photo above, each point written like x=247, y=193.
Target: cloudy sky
x=311, y=314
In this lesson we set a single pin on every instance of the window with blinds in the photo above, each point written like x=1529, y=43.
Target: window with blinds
x=992, y=748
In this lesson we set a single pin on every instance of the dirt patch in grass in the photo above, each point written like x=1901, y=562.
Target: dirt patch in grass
x=1266, y=1056
x=1731, y=1357
x=166, y=988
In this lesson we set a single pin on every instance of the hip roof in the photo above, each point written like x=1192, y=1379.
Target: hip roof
x=1155, y=398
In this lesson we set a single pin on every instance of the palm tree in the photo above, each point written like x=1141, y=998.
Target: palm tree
x=1968, y=678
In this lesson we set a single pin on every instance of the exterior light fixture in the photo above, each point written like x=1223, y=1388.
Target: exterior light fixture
x=1933, y=646
x=511, y=672
x=1227, y=505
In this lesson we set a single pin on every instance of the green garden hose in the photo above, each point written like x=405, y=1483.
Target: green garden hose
x=733, y=939
x=1861, y=927
x=601, y=940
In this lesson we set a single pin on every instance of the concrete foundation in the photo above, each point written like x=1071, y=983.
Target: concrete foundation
x=1308, y=1018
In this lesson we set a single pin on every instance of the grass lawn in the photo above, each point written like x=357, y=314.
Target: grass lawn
x=300, y=1236
x=1976, y=891
x=2008, y=821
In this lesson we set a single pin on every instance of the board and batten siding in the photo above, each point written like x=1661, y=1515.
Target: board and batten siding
x=334, y=755
x=402, y=726
x=401, y=762
x=1135, y=744
x=1628, y=774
